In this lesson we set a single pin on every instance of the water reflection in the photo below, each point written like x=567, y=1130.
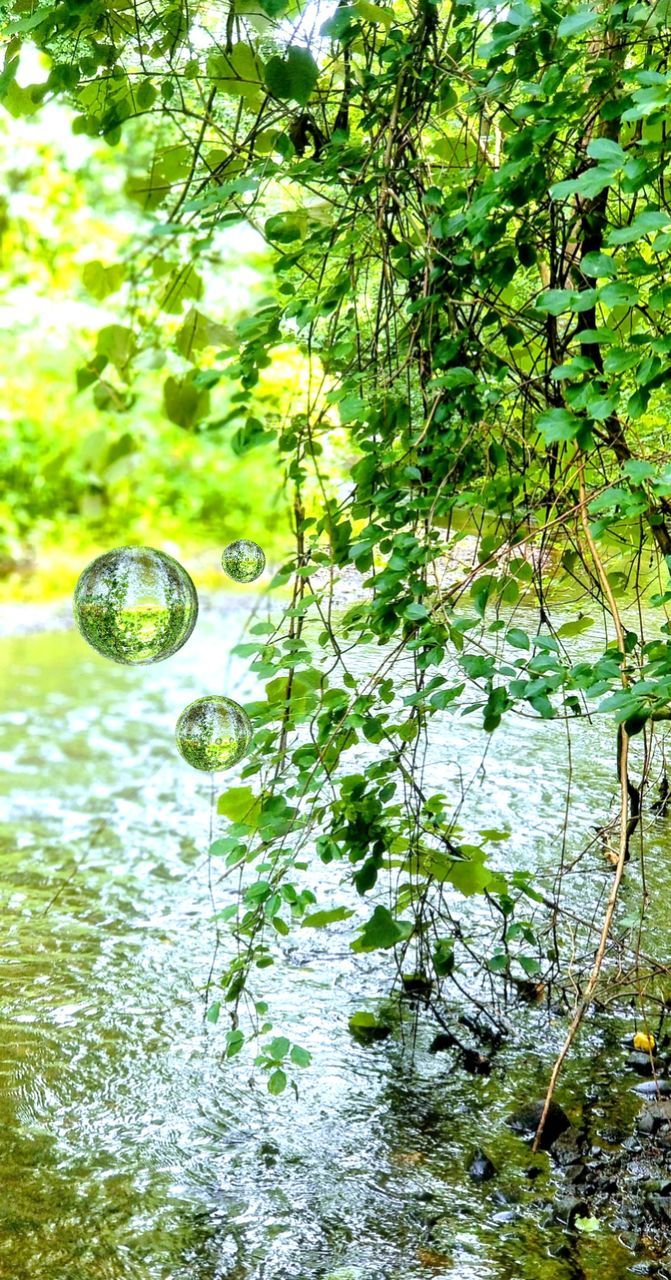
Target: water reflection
x=127, y=1149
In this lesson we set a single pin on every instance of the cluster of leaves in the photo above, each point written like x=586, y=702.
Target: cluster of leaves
x=470, y=222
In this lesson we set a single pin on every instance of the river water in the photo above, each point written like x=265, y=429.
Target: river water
x=129, y=1150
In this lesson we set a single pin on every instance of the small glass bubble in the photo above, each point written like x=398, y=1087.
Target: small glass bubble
x=213, y=733
x=135, y=605
x=243, y=560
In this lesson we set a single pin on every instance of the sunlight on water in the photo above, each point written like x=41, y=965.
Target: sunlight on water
x=128, y=1148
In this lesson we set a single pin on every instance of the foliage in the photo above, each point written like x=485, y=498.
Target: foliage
x=470, y=226
x=78, y=469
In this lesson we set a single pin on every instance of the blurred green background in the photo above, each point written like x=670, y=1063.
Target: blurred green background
x=83, y=469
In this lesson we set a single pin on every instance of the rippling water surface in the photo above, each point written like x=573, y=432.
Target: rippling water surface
x=128, y=1149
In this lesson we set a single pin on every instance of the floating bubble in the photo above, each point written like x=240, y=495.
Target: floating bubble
x=135, y=605
x=213, y=733
x=243, y=560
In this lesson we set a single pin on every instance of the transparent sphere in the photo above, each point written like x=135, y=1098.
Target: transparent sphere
x=243, y=560
x=135, y=605
x=213, y=733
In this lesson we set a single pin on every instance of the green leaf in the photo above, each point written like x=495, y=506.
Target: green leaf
x=279, y=1048
x=213, y=1012
x=238, y=73
x=638, y=470
x=234, y=1042
x=469, y=874
x=619, y=294
x=607, y=149
x=283, y=228
x=558, y=424
x=575, y=628
x=381, y=932
x=554, y=301
x=240, y=804
x=116, y=343
x=184, y=403
x=518, y=639
x=277, y=1082
x=300, y=1057
x=575, y=23
x=593, y=181
x=100, y=281
x=367, y=1029
x=321, y=919
x=199, y=332
x=293, y=77
x=587, y=1226
x=598, y=264
x=472, y=875
x=374, y=12
x=643, y=224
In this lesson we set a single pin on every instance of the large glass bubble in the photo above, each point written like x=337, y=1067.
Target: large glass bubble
x=213, y=733
x=243, y=560
x=135, y=605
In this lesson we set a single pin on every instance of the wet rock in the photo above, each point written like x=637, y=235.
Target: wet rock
x=568, y=1151
x=640, y=1063
x=481, y=1168
x=500, y=1197
x=503, y=1216
x=653, y=1089
x=525, y=1121
x=609, y=1186
x=577, y=1174
x=442, y=1042
x=613, y=1135
x=655, y=1115
x=475, y=1063
x=647, y=1123
x=366, y=1029
x=470, y=1059
x=433, y=1259
x=482, y=1031
x=416, y=985
x=661, y=1207
x=568, y=1209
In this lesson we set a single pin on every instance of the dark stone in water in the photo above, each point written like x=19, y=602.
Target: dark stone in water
x=368, y=1033
x=525, y=1121
x=567, y=1210
x=640, y=1063
x=648, y=1123
x=653, y=1089
x=470, y=1059
x=655, y=1115
x=661, y=1207
x=417, y=985
x=476, y=1063
x=481, y=1168
x=504, y=1216
x=442, y=1042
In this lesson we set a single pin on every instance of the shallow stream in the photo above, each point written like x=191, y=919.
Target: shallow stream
x=128, y=1149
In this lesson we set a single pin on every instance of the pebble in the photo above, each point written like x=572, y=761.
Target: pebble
x=481, y=1168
